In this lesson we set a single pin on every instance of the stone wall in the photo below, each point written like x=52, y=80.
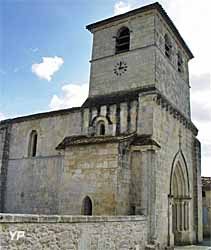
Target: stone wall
x=33, y=184
x=72, y=232
x=140, y=59
x=207, y=213
x=175, y=139
x=90, y=170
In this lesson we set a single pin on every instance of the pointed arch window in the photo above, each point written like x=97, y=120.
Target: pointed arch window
x=123, y=40
x=87, y=206
x=168, y=46
x=32, y=149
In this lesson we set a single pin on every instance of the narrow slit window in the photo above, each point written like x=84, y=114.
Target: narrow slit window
x=179, y=62
x=32, y=151
x=168, y=47
x=123, y=40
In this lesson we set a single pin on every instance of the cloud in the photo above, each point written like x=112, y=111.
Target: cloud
x=47, y=68
x=73, y=95
x=2, y=72
x=121, y=7
x=194, y=30
x=200, y=97
x=34, y=50
x=2, y=116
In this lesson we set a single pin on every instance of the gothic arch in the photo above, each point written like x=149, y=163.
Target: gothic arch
x=179, y=199
x=179, y=174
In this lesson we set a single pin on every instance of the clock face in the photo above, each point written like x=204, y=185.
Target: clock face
x=120, y=68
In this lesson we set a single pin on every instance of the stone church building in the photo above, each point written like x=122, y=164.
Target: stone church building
x=130, y=149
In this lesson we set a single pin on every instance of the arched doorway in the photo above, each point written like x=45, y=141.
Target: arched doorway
x=179, y=205
x=87, y=206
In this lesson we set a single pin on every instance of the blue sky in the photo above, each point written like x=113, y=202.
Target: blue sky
x=45, y=52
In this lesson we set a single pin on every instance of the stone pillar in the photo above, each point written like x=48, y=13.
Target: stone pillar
x=147, y=197
x=178, y=216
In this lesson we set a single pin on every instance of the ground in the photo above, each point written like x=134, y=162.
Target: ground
x=206, y=245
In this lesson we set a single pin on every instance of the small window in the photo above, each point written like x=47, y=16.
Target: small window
x=179, y=62
x=123, y=40
x=32, y=151
x=168, y=46
x=101, y=128
x=87, y=206
x=203, y=194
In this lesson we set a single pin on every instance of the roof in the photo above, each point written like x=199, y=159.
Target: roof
x=136, y=140
x=154, y=6
x=117, y=97
x=206, y=183
x=40, y=115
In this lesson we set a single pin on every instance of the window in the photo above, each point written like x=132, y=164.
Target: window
x=32, y=150
x=101, y=128
x=123, y=40
x=203, y=194
x=168, y=46
x=179, y=62
x=87, y=206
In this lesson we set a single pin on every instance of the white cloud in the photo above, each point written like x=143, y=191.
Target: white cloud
x=2, y=72
x=34, y=50
x=2, y=116
x=47, y=68
x=121, y=7
x=73, y=95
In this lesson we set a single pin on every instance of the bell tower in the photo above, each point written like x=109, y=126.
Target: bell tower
x=139, y=49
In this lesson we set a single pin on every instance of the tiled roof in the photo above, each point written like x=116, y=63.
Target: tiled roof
x=85, y=140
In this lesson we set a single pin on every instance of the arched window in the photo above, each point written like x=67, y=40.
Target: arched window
x=168, y=46
x=123, y=40
x=179, y=62
x=32, y=150
x=101, y=128
x=87, y=206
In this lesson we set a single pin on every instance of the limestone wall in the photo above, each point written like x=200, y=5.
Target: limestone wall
x=140, y=59
x=73, y=233
x=207, y=213
x=90, y=170
x=32, y=185
x=51, y=131
x=173, y=84
x=173, y=137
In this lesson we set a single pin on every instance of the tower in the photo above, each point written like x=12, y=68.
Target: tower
x=140, y=64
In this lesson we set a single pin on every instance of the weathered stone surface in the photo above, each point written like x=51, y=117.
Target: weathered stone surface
x=78, y=233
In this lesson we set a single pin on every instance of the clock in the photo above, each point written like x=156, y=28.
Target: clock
x=120, y=68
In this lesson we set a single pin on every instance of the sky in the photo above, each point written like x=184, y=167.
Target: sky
x=45, y=52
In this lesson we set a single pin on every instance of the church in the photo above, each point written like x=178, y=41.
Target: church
x=130, y=149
